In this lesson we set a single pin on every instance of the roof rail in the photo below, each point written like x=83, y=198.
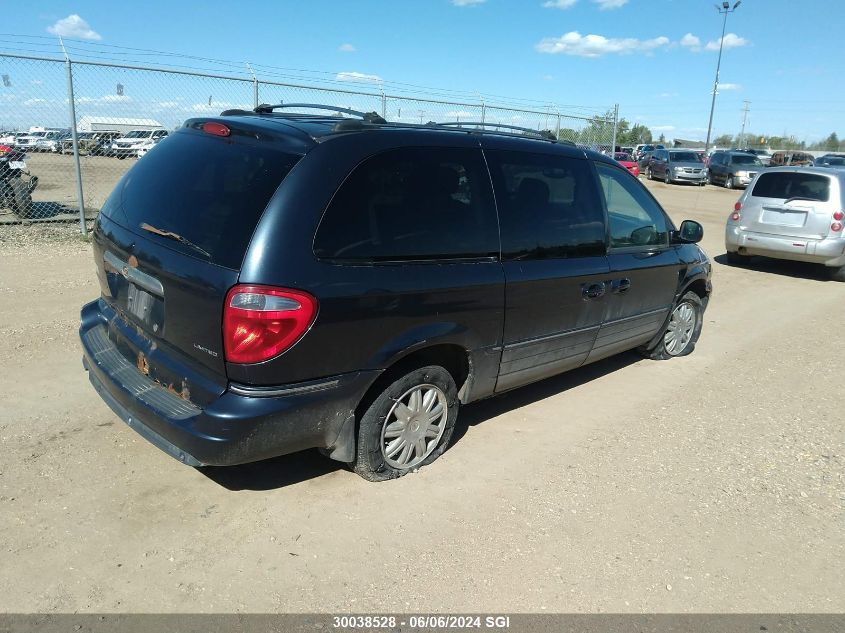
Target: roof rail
x=369, y=117
x=544, y=134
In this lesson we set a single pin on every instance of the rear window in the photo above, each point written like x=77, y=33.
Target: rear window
x=788, y=185
x=211, y=191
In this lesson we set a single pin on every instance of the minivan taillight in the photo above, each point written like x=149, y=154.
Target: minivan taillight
x=260, y=322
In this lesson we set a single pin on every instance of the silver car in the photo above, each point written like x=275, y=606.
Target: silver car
x=677, y=165
x=793, y=213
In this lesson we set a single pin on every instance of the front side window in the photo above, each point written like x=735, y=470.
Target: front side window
x=548, y=206
x=635, y=218
x=412, y=203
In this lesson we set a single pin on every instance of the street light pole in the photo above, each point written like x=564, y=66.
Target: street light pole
x=724, y=10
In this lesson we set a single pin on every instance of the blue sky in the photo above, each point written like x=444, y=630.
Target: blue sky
x=650, y=56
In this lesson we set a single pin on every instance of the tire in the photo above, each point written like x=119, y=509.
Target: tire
x=688, y=313
x=735, y=259
x=21, y=202
x=649, y=174
x=667, y=178
x=729, y=182
x=379, y=458
x=837, y=274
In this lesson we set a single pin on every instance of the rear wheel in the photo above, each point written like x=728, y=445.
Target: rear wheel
x=682, y=330
x=408, y=425
x=735, y=259
x=729, y=182
x=21, y=202
x=667, y=178
x=837, y=274
x=649, y=174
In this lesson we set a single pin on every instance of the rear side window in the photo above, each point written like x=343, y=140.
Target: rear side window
x=211, y=191
x=788, y=185
x=412, y=203
x=548, y=206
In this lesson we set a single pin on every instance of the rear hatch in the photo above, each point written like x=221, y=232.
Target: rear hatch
x=170, y=242
x=791, y=203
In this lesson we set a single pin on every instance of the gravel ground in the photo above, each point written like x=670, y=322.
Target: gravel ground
x=711, y=483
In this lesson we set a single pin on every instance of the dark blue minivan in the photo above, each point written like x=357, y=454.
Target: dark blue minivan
x=273, y=281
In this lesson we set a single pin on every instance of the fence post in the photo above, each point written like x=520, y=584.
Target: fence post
x=254, y=85
x=383, y=105
x=483, y=111
x=72, y=105
x=615, y=124
x=557, y=131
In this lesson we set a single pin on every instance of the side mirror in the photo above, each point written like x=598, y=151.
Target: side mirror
x=690, y=232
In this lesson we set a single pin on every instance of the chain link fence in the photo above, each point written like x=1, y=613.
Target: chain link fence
x=78, y=126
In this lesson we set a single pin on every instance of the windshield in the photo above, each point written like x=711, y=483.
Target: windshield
x=745, y=159
x=138, y=134
x=684, y=157
x=622, y=156
x=648, y=148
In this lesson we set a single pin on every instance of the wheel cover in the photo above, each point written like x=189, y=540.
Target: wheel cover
x=414, y=425
x=681, y=326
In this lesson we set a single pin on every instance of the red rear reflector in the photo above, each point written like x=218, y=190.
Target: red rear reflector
x=836, y=226
x=260, y=322
x=218, y=129
x=839, y=215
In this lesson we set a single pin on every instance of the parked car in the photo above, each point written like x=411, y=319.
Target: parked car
x=791, y=213
x=90, y=143
x=625, y=159
x=786, y=158
x=131, y=142
x=830, y=160
x=51, y=141
x=642, y=161
x=733, y=169
x=677, y=165
x=27, y=142
x=274, y=282
x=645, y=149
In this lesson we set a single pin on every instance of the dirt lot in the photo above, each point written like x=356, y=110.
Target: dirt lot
x=708, y=483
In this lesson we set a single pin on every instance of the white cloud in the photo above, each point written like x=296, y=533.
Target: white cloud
x=573, y=43
x=691, y=42
x=74, y=26
x=667, y=95
x=36, y=82
x=559, y=4
x=605, y=5
x=548, y=78
x=359, y=77
x=731, y=40
x=105, y=99
x=166, y=104
x=662, y=128
x=467, y=3
x=346, y=48
x=730, y=86
x=32, y=102
x=466, y=115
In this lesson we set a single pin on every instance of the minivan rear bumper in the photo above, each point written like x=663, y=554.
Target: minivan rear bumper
x=827, y=251
x=244, y=424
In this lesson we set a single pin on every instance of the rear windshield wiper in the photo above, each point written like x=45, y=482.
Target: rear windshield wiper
x=175, y=236
x=794, y=198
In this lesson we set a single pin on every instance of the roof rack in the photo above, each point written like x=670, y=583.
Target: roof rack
x=369, y=117
x=544, y=134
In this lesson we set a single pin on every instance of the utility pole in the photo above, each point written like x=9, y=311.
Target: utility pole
x=744, y=119
x=725, y=10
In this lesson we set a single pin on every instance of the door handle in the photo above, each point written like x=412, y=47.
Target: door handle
x=621, y=286
x=593, y=291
